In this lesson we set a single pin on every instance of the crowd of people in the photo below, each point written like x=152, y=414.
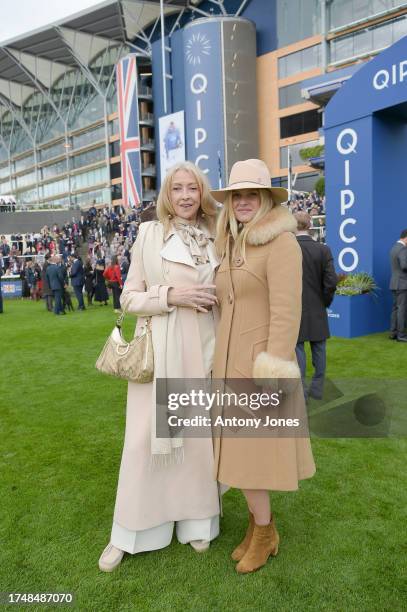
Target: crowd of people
x=100, y=240
x=92, y=254
x=7, y=205
x=314, y=205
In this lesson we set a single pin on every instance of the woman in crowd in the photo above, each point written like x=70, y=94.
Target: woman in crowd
x=101, y=294
x=259, y=284
x=169, y=480
x=114, y=278
x=31, y=279
x=89, y=280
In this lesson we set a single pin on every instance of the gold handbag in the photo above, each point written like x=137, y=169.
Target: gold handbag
x=133, y=361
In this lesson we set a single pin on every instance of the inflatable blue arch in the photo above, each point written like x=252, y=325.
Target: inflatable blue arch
x=366, y=184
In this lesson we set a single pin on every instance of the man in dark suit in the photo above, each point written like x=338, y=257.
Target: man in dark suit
x=78, y=280
x=398, y=286
x=318, y=288
x=55, y=277
x=46, y=289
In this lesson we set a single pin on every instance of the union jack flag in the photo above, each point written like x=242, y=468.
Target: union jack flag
x=126, y=75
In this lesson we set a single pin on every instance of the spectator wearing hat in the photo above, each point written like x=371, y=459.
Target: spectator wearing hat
x=318, y=288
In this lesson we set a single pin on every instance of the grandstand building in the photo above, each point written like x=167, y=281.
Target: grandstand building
x=59, y=128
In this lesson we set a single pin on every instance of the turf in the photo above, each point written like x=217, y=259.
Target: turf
x=62, y=424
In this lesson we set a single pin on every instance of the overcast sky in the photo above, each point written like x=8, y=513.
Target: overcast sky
x=20, y=16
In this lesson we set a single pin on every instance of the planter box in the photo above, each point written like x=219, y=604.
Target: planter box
x=350, y=316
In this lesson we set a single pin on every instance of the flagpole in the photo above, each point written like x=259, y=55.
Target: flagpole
x=289, y=176
x=164, y=72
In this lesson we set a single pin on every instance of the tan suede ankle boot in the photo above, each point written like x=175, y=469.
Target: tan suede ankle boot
x=240, y=550
x=264, y=542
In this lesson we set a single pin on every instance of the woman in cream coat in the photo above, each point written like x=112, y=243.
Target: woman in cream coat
x=166, y=481
x=259, y=285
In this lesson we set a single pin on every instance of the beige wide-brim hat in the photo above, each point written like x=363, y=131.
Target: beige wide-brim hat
x=251, y=174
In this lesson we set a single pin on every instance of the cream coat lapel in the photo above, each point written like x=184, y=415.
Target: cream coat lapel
x=176, y=251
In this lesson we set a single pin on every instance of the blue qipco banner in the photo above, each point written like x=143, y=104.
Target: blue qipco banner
x=349, y=191
x=204, y=102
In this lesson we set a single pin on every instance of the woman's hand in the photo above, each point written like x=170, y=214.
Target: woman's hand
x=195, y=296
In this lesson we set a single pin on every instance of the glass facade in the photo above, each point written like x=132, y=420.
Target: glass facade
x=344, y=12
x=5, y=188
x=55, y=188
x=300, y=61
x=367, y=40
x=4, y=172
x=78, y=104
x=89, y=137
x=295, y=153
x=114, y=127
x=28, y=197
x=97, y=195
x=304, y=182
x=23, y=163
x=53, y=151
x=296, y=20
x=114, y=148
x=290, y=95
x=89, y=157
x=25, y=179
x=300, y=123
x=48, y=172
x=90, y=178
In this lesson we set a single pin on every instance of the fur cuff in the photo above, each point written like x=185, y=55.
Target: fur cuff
x=273, y=372
x=268, y=367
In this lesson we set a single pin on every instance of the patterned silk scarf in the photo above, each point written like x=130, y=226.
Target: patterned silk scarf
x=194, y=238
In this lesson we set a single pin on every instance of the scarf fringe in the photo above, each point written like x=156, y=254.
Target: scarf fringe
x=165, y=460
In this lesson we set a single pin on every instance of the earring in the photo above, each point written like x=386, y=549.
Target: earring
x=202, y=214
x=170, y=216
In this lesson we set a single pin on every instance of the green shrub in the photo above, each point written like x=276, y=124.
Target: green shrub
x=320, y=186
x=308, y=152
x=356, y=284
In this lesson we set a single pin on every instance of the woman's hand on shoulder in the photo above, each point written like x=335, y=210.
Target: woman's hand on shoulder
x=194, y=296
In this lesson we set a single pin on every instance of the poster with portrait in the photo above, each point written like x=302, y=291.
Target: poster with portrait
x=172, y=141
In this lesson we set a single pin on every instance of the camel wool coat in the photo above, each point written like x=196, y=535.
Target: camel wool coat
x=260, y=314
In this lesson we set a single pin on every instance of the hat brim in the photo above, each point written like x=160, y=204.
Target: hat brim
x=279, y=194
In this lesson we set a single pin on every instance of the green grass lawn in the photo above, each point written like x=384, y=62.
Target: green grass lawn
x=62, y=425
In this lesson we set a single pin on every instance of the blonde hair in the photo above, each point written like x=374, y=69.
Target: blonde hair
x=165, y=209
x=229, y=225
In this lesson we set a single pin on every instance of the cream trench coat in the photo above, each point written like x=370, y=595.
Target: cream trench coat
x=147, y=498
x=260, y=302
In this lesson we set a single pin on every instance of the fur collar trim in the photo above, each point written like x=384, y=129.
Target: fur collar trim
x=277, y=221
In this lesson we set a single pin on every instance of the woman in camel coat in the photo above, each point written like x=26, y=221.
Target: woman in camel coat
x=259, y=285
x=166, y=482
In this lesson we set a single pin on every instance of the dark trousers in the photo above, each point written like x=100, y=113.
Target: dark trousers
x=48, y=302
x=116, y=291
x=57, y=293
x=79, y=296
x=318, y=352
x=1, y=300
x=399, y=313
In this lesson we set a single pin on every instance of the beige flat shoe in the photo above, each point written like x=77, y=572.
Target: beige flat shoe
x=110, y=558
x=200, y=545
